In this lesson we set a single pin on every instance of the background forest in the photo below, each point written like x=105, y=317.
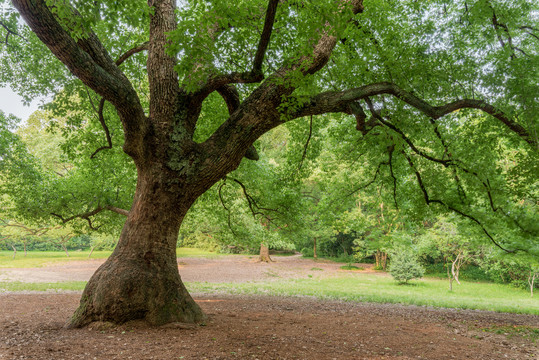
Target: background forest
x=314, y=190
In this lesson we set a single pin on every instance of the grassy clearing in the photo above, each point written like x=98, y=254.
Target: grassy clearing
x=192, y=252
x=351, y=267
x=364, y=288
x=44, y=258
x=372, y=288
x=349, y=287
x=57, y=286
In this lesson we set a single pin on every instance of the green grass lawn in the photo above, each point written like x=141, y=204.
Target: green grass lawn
x=57, y=286
x=364, y=288
x=348, y=287
x=43, y=258
x=372, y=288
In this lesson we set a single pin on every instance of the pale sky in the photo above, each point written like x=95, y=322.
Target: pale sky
x=11, y=103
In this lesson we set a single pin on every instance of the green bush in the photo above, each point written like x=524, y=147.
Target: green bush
x=405, y=266
x=509, y=270
x=200, y=240
x=307, y=252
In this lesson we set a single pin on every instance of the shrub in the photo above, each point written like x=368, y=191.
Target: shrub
x=307, y=252
x=404, y=267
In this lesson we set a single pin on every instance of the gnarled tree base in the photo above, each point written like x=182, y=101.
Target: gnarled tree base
x=122, y=291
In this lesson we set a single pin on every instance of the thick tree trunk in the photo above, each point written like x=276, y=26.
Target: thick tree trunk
x=140, y=280
x=264, y=254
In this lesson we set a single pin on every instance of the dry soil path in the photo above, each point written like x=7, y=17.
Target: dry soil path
x=233, y=268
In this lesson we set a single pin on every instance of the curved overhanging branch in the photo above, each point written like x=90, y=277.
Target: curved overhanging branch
x=391, y=150
x=252, y=202
x=229, y=213
x=11, y=32
x=131, y=52
x=31, y=231
x=454, y=164
x=103, y=125
x=363, y=186
x=99, y=111
x=429, y=200
x=88, y=60
x=338, y=101
x=412, y=146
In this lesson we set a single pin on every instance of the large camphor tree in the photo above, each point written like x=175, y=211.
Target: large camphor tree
x=436, y=92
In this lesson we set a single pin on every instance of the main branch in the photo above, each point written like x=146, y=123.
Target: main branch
x=338, y=101
x=88, y=60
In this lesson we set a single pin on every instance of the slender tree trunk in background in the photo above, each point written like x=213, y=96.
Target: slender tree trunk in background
x=450, y=277
x=24, y=244
x=314, y=249
x=381, y=259
x=64, y=240
x=264, y=254
x=14, y=251
x=531, y=281
x=384, y=261
x=91, y=251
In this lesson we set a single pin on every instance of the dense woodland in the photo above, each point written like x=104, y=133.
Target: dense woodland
x=371, y=130
x=298, y=197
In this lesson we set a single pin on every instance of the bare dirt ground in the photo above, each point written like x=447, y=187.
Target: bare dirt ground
x=240, y=327
x=234, y=268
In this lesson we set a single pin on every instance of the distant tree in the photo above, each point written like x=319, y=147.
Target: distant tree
x=519, y=269
x=22, y=232
x=446, y=239
x=60, y=236
x=6, y=239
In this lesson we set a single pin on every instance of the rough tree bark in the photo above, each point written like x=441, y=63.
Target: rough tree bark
x=141, y=279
